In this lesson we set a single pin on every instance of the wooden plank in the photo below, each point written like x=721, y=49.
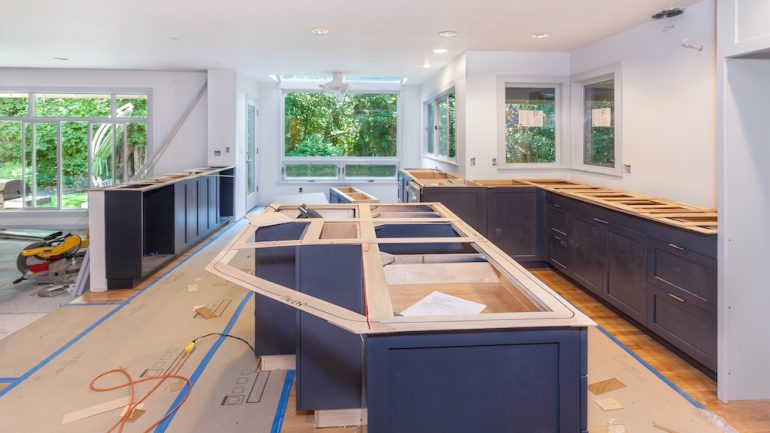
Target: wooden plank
x=278, y=362
x=378, y=303
x=339, y=418
x=97, y=409
x=605, y=386
x=608, y=404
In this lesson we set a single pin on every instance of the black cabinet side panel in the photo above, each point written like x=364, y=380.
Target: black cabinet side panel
x=159, y=218
x=123, y=238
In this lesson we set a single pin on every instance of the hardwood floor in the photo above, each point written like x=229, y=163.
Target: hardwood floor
x=744, y=416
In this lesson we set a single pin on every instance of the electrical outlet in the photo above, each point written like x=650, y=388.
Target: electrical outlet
x=473, y=162
x=217, y=153
x=627, y=168
x=227, y=150
x=494, y=162
x=300, y=189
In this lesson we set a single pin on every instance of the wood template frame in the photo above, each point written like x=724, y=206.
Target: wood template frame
x=380, y=317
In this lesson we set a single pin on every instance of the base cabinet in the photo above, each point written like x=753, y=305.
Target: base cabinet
x=627, y=271
x=589, y=253
x=514, y=221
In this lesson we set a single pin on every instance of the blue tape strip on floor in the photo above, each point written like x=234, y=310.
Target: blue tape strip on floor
x=92, y=304
x=8, y=379
x=280, y=411
x=660, y=376
x=203, y=363
x=94, y=325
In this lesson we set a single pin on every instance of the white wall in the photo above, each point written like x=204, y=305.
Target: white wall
x=245, y=87
x=481, y=106
x=744, y=231
x=669, y=105
x=452, y=75
x=271, y=182
x=172, y=93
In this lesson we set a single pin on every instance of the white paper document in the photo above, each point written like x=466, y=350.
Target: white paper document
x=532, y=118
x=441, y=304
x=601, y=117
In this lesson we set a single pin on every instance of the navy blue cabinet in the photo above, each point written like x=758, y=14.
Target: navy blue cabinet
x=515, y=220
x=491, y=382
x=588, y=249
x=467, y=202
x=627, y=271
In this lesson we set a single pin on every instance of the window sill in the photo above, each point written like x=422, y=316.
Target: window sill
x=442, y=160
x=533, y=166
x=338, y=182
x=609, y=172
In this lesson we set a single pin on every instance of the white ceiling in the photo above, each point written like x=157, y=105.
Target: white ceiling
x=384, y=38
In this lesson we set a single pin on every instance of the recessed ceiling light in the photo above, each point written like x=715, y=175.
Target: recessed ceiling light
x=63, y=59
x=540, y=35
x=426, y=65
x=440, y=51
x=176, y=38
x=447, y=33
x=319, y=31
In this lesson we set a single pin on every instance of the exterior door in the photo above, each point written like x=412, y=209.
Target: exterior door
x=252, y=181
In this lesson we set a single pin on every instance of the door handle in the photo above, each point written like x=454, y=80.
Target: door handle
x=600, y=221
x=676, y=297
x=676, y=247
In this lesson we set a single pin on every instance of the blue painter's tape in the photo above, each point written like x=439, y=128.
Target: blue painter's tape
x=8, y=379
x=660, y=376
x=94, y=325
x=203, y=363
x=92, y=304
x=280, y=411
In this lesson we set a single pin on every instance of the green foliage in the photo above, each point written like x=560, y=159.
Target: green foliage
x=74, y=144
x=311, y=170
x=525, y=144
x=361, y=124
x=599, y=141
x=370, y=170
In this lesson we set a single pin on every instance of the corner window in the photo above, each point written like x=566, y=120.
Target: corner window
x=599, y=123
x=54, y=146
x=441, y=127
x=529, y=127
x=354, y=136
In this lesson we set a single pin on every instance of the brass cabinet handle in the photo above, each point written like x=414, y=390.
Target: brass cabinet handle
x=676, y=297
x=556, y=205
x=676, y=247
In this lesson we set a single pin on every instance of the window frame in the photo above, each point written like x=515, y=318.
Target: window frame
x=433, y=131
x=32, y=119
x=561, y=102
x=579, y=82
x=340, y=162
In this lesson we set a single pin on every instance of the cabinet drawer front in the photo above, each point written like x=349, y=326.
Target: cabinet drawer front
x=687, y=274
x=692, y=330
x=558, y=251
x=558, y=220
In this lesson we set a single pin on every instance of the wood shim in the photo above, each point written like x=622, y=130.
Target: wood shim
x=605, y=386
x=135, y=414
x=95, y=410
x=665, y=429
x=278, y=362
x=205, y=312
x=608, y=404
x=192, y=288
x=339, y=418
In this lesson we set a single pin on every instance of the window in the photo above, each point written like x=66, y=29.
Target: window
x=54, y=146
x=441, y=127
x=353, y=137
x=599, y=123
x=529, y=128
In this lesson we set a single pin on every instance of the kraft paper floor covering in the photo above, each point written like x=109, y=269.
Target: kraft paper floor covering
x=232, y=394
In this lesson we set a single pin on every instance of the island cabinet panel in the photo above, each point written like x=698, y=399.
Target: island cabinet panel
x=627, y=271
x=515, y=221
x=274, y=322
x=468, y=203
x=589, y=253
x=491, y=382
x=329, y=359
x=123, y=238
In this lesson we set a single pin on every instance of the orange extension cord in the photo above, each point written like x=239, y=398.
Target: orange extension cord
x=131, y=383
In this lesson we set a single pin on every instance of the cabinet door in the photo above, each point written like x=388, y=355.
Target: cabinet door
x=684, y=325
x=191, y=211
x=512, y=221
x=589, y=253
x=627, y=271
x=558, y=252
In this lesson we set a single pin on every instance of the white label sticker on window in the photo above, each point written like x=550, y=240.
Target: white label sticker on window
x=601, y=117
x=533, y=118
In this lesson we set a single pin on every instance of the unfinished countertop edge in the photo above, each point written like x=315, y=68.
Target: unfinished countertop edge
x=181, y=176
x=565, y=315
